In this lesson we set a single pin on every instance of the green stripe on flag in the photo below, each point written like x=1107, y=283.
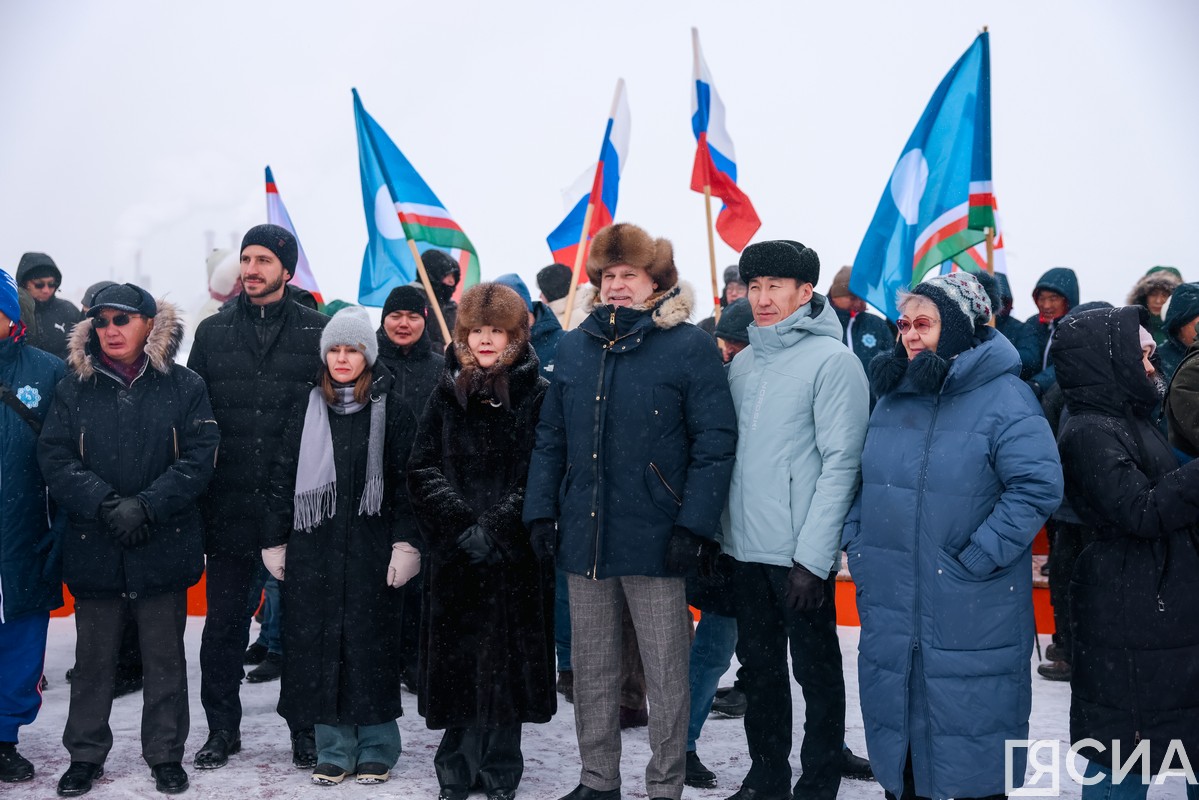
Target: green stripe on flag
x=980, y=217
x=945, y=250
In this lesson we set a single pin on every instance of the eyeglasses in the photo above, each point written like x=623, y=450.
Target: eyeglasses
x=43, y=284
x=120, y=320
x=922, y=325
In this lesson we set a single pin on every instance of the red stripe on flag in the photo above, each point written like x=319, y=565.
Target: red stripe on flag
x=982, y=199
x=957, y=226
x=271, y=189
x=428, y=222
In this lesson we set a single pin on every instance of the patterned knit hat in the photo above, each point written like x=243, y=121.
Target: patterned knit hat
x=964, y=306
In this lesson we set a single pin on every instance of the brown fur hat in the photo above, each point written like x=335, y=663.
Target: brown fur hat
x=624, y=243
x=489, y=304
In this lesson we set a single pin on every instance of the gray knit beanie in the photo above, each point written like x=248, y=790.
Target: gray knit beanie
x=352, y=327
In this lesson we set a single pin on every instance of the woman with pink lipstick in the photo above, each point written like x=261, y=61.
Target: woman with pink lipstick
x=487, y=649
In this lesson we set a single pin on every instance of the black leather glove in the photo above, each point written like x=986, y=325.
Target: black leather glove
x=543, y=538
x=805, y=591
x=126, y=519
x=690, y=555
x=478, y=545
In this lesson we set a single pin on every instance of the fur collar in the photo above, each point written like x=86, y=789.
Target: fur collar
x=670, y=308
x=83, y=346
x=516, y=371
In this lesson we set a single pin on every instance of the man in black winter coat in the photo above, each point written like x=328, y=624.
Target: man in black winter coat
x=259, y=357
x=39, y=276
x=444, y=275
x=127, y=449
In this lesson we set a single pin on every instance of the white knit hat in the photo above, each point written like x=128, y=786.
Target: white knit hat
x=352, y=327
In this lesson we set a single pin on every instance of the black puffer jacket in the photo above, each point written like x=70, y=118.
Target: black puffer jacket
x=155, y=439
x=487, y=647
x=1135, y=591
x=416, y=372
x=341, y=632
x=259, y=363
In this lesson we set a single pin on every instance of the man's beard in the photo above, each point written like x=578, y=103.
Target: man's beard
x=268, y=288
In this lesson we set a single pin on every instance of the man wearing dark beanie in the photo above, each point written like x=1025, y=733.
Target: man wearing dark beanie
x=53, y=318
x=407, y=351
x=259, y=356
x=802, y=404
x=554, y=283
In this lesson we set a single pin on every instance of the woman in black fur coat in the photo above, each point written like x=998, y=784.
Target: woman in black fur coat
x=487, y=649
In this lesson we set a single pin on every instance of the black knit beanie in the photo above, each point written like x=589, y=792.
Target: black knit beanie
x=554, y=281
x=406, y=298
x=276, y=239
x=957, y=330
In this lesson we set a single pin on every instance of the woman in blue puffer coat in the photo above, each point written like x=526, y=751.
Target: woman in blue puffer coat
x=959, y=472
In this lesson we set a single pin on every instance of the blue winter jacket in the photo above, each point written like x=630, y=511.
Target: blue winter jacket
x=30, y=561
x=544, y=335
x=636, y=436
x=955, y=485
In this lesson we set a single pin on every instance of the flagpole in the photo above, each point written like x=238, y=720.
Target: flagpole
x=991, y=250
x=712, y=252
x=578, y=265
x=420, y=264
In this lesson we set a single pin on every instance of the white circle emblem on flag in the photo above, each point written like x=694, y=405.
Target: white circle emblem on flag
x=386, y=220
x=908, y=182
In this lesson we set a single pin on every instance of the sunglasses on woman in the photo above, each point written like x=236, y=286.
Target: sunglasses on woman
x=922, y=325
x=44, y=283
x=120, y=320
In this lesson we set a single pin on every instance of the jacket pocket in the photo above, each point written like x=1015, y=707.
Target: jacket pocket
x=973, y=613
x=564, y=487
x=661, y=492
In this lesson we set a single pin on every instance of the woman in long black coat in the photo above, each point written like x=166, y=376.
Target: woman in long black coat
x=1134, y=595
x=487, y=649
x=338, y=537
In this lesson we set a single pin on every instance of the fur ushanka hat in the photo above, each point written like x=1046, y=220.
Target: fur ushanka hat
x=496, y=305
x=624, y=243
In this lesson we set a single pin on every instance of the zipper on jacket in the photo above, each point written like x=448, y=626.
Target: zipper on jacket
x=928, y=439
x=175, y=439
x=662, y=478
x=595, y=464
x=82, y=457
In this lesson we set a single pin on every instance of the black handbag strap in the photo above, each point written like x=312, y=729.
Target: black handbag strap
x=10, y=399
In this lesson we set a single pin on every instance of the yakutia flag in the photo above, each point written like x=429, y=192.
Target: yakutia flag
x=938, y=200
x=400, y=206
x=975, y=259
x=599, y=183
x=276, y=214
x=715, y=162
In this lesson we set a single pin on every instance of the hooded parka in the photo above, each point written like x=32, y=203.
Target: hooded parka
x=955, y=485
x=487, y=649
x=341, y=632
x=53, y=319
x=30, y=564
x=637, y=436
x=155, y=439
x=259, y=363
x=1134, y=595
x=1034, y=345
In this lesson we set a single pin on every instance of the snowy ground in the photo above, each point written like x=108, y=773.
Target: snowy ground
x=264, y=770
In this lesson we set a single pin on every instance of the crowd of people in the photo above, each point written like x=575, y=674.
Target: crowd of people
x=530, y=509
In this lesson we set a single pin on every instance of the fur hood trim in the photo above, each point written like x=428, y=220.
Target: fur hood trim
x=671, y=308
x=1159, y=280
x=83, y=346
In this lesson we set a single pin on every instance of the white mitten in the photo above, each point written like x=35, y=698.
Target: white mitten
x=274, y=558
x=405, y=563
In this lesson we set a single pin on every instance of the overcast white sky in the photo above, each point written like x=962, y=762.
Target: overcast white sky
x=136, y=126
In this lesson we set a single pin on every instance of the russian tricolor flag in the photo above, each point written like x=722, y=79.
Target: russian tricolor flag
x=276, y=214
x=599, y=184
x=715, y=162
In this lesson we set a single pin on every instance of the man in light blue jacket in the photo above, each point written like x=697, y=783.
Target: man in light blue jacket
x=802, y=404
